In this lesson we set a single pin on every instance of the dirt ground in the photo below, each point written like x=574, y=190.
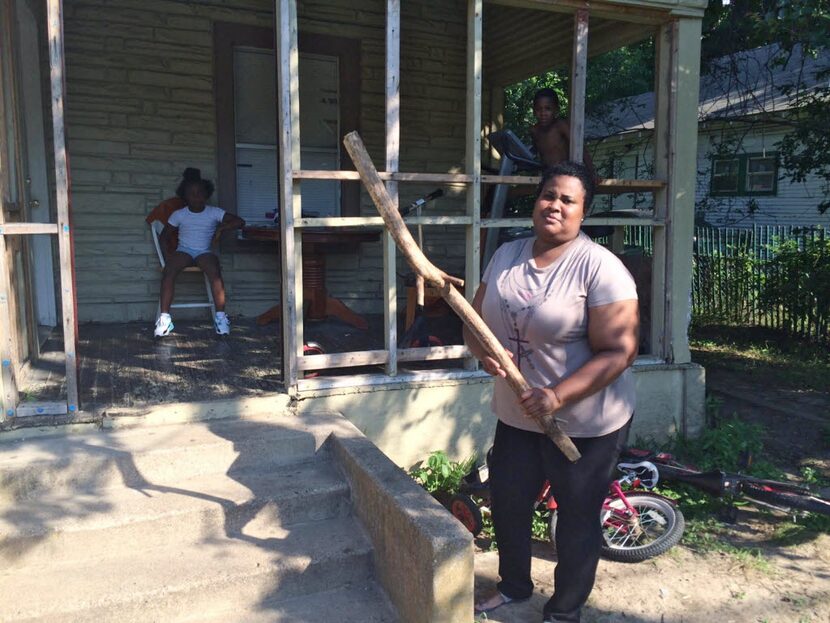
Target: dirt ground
x=755, y=579
x=685, y=587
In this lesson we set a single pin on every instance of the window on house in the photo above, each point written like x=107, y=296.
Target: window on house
x=746, y=174
x=725, y=175
x=760, y=174
x=255, y=132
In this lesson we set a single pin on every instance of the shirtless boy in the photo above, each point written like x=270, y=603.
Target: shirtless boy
x=551, y=134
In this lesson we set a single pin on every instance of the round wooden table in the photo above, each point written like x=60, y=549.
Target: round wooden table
x=317, y=243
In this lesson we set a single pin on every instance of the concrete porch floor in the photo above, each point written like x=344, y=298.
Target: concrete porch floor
x=122, y=365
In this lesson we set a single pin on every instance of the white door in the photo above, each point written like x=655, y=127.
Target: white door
x=38, y=191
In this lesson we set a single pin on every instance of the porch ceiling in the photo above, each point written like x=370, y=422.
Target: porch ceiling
x=520, y=42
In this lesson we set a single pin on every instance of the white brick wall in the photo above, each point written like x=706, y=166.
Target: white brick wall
x=140, y=108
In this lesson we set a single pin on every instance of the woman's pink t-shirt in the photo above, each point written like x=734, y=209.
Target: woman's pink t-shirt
x=541, y=316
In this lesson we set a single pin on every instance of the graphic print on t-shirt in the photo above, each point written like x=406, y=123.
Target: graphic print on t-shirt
x=521, y=351
x=532, y=299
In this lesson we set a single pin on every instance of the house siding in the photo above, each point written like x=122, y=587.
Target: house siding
x=140, y=108
x=793, y=204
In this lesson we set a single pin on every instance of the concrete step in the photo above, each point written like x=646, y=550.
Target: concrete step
x=147, y=456
x=258, y=567
x=358, y=603
x=59, y=526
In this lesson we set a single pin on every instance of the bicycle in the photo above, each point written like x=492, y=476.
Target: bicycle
x=636, y=523
x=782, y=496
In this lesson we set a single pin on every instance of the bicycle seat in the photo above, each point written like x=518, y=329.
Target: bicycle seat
x=645, y=471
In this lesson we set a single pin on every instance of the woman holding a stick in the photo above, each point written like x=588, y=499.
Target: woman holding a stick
x=565, y=309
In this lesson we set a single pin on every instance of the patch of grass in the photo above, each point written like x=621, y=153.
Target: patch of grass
x=801, y=529
x=710, y=536
x=764, y=354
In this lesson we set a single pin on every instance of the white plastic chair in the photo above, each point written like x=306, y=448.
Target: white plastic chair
x=156, y=228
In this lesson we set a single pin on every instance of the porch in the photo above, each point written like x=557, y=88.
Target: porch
x=124, y=371
x=424, y=84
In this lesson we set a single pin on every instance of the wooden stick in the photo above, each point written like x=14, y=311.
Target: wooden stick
x=438, y=279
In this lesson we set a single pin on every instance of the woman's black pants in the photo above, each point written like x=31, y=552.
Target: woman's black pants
x=519, y=464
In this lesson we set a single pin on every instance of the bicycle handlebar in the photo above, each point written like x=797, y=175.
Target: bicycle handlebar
x=421, y=202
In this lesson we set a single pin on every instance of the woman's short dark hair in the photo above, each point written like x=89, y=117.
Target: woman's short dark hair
x=190, y=177
x=571, y=169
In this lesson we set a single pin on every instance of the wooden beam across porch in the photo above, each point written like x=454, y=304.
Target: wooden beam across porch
x=606, y=186
x=14, y=229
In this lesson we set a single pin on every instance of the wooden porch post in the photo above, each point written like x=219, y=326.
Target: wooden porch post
x=393, y=146
x=472, y=276
x=290, y=208
x=65, y=234
x=8, y=382
x=579, y=67
x=678, y=73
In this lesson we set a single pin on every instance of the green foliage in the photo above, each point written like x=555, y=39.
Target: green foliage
x=441, y=474
x=732, y=445
x=540, y=526
x=619, y=73
x=801, y=530
x=798, y=282
x=785, y=284
x=725, y=285
x=518, y=101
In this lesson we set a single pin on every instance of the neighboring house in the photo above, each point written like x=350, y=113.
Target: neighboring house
x=746, y=104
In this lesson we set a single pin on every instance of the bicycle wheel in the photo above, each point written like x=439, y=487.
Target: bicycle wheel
x=657, y=528
x=800, y=501
x=467, y=512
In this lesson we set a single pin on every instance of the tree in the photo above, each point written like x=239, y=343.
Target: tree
x=729, y=28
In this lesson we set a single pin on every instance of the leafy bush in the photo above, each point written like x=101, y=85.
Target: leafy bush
x=441, y=474
x=798, y=282
x=731, y=445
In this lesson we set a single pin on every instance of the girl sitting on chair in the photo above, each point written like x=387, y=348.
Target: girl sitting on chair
x=199, y=227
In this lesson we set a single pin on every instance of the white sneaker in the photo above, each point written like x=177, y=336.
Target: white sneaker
x=164, y=325
x=222, y=323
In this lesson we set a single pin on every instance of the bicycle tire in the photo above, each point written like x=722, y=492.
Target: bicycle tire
x=802, y=502
x=660, y=512
x=660, y=545
x=465, y=510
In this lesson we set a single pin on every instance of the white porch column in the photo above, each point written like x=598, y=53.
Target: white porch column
x=579, y=69
x=678, y=77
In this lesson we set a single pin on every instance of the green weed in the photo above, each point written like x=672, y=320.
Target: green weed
x=441, y=474
x=540, y=528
